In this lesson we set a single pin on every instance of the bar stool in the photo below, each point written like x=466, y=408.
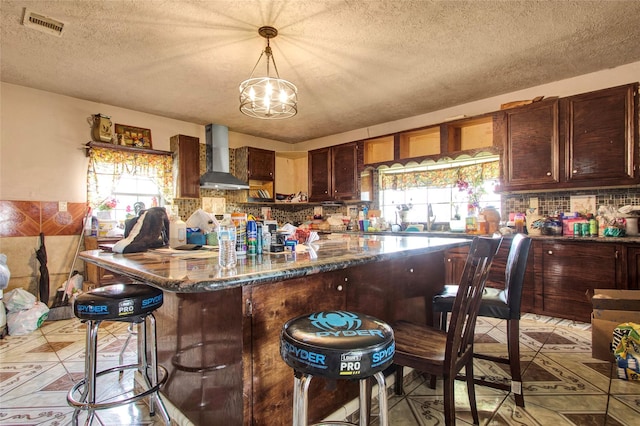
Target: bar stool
x=337, y=345
x=133, y=303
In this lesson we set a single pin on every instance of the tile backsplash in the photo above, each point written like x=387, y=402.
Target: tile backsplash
x=551, y=202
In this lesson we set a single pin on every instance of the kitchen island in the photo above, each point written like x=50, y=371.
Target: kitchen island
x=218, y=331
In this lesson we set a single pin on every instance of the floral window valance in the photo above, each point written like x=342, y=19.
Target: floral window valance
x=106, y=166
x=475, y=174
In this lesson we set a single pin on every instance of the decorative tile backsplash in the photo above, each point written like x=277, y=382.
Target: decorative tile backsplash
x=551, y=202
x=29, y=218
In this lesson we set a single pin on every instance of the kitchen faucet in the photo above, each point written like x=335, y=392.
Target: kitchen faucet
x=431, y=219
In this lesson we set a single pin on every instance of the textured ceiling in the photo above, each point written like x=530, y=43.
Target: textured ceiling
x=356, y=63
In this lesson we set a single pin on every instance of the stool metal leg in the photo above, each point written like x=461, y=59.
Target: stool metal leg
x=88, y=394
x=126, y=344
x=155, y=397
x=382, y=399
x=300, y=398
x=364, y=413
x=148, y=370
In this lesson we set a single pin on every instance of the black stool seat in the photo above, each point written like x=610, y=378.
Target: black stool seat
x=119, y=302
x=337, y=345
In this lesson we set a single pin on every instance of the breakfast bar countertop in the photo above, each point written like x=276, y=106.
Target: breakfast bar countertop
x=198, y=271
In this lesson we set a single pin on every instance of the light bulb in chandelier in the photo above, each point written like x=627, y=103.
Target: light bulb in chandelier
x=282, y=105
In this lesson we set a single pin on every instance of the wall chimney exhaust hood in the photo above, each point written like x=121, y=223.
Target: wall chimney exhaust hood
x=217, y=175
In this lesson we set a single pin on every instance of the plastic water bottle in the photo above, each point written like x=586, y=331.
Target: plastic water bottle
x=227, y=246
x=177, y=232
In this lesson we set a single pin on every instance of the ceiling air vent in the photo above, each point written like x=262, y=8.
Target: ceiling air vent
x=42, y=23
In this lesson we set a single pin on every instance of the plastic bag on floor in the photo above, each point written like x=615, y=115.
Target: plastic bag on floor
x=19, y=299
x=626, y=345
x=27, y=320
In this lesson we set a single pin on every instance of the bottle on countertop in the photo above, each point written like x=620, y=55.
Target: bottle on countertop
x=227, y=255
x=240, y=221
x=177, y=232
x=593, y=225
x=519, y=223
x=252, y=236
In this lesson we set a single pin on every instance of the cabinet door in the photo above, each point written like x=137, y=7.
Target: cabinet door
x=570, y=270
x=601, y=137
x=320, y=174
x=273, y=305
x=633, y=268
x=262, y=164
x=454, y=261
x=397, y=289
x=344, y=160
x=531, y=145
x=186, y=165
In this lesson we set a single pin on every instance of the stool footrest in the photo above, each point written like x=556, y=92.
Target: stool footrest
x=78, y=404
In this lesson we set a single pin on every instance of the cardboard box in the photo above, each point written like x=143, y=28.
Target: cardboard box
x=567, y=225
x=610, y=309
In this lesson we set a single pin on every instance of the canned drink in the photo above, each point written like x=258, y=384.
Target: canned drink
x=585, y=229
x=577, y=229
x=252, y=237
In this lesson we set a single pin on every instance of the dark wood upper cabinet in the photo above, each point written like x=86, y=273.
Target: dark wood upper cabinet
x=257, y=167
x=600, y=130
x=186, y=165
x=262, y=164
x=529, y=135
x=585, y=140
x=334, y=173
x=344, y=164
x=320, y=174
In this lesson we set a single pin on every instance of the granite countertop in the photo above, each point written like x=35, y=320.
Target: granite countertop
x=198, y=271
x=445, y=234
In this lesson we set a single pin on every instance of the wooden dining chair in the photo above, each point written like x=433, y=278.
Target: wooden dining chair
x=502, y=303
x=444, y=353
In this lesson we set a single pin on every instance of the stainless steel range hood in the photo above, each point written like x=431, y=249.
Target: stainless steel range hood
x=217, y=175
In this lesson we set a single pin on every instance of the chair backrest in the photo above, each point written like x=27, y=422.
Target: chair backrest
x=514, y=272
x=467, y=302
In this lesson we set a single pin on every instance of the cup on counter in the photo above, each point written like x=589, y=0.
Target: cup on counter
x=227, y=257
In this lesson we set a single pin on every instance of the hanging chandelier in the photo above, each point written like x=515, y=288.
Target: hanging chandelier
x=268, y=97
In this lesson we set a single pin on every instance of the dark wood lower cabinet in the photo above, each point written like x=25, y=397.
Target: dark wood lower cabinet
x=633, y=268
x=240, y=328
x=568, y=272
x=272, y=380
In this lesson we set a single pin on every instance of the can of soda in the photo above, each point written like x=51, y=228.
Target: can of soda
x=585, y=229
x=577, y=229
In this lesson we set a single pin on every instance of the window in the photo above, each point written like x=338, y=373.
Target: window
x=135, y=191
x=440, y=192
x=124, y=178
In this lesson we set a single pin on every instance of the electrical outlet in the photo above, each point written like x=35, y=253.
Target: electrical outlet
x=533, y=202
x=62, y=206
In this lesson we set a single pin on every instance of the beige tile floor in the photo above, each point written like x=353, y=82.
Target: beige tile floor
x=563, y=385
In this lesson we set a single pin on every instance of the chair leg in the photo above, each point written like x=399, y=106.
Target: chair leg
x=399, y=389
x=471, y=391
x=432, y=381
x=449, y=400
x=513, y=344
